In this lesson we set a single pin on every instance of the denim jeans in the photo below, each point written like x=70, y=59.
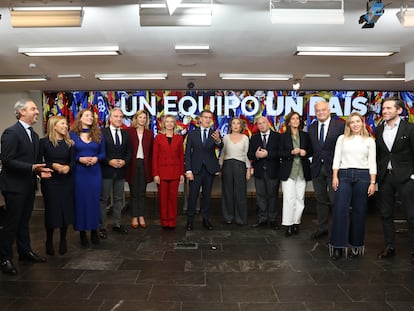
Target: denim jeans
x=348, y=225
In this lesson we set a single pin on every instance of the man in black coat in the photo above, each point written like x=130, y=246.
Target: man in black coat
x=18, y=181
x=395, y=162
x=323, y=135
x=263, y=151
x=118, y=155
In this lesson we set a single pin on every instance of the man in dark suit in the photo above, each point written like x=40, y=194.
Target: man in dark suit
x=323, y=135
x=201, y=165
x=19, y=149
x=395, y=161
x=263, y=151
x=118, y=155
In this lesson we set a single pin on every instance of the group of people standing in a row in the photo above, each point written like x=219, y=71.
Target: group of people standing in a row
x=81, y=169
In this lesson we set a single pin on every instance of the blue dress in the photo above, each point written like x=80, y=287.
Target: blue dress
x=88, y=181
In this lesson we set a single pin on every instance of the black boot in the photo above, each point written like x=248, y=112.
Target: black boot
x=49, y=242
x=94, y=237
x=63, y=245
x=84, y=239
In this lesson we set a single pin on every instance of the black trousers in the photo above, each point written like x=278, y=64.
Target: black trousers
x=388, y=187
x=19, y=207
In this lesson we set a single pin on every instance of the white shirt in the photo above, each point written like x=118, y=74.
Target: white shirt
x=26, y=127
x=355, y=152
x=140, y=150
x=389, y=135
x=113, y=132
x=325, y=130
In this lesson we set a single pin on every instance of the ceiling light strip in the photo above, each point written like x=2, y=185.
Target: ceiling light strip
x=70, y=51
x=372, y=78
x=132, y=76
x=269, y=77
x=18, y=78
x=345, y=51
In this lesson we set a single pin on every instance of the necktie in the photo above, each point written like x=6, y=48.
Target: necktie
x=117, y=140
x=322, y=134
x=264, y=141
x=205, y=136
x=31, y=133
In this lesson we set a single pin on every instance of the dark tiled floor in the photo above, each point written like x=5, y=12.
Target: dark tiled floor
x=233, y=268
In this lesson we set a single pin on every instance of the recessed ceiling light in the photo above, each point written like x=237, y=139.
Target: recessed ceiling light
x=345, y=51
x=70, y=51
x=246, y=76
x=132, y=76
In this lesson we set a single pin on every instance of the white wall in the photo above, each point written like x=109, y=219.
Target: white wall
x=7, y=102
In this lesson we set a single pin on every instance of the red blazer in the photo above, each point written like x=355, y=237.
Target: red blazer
x=168, y=159
x=147, y=142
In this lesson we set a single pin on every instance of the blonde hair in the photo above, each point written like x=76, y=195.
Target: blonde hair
x=135, y=118
x=347, y=131
x=95, y=132
x=52, y=134
x=242, y=124
x=163, y=122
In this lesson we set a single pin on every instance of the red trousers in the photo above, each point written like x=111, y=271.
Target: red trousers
x=167, y=202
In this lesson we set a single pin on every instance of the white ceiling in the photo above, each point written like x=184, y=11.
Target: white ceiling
x=241, y=38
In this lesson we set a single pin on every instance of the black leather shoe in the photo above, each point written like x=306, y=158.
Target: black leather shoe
x=387, y=252
x=274, y=225
x=228, y=222
x=260, y=224
x=120, y=229
x=32, y=257
x=337, y=254
x=289, y=231
x=207, y=224
x=319, y=234
x=7, y=267
x=189, y=226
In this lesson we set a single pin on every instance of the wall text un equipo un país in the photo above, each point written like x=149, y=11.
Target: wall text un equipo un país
x=249, y=105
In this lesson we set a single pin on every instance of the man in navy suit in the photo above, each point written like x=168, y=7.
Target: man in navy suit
x=118, y=155
x=19, y=152
x=395, y=161
x=263, y=151
x=323, y=135
x=201, y=165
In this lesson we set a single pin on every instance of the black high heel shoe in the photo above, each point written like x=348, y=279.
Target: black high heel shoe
x=49, y=248
x=337, y=254
x=289, y=231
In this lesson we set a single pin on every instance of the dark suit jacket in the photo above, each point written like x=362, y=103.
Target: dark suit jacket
x=272, y=161
x=286, y=158
x=168, y=159
x=147, y=142
x=197, y=154
x=326, y=151
x=401, y=155
x=123, y=152
x=18, y=155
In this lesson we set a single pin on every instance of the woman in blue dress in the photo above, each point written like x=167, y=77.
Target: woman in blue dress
x=89, y=151
x=56, y=150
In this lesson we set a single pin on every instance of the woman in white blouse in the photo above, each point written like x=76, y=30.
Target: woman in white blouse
x=354, y=172
x=235, y=173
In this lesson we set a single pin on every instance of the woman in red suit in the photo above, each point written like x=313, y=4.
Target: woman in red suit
x=139, y=170
x=168, y=170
